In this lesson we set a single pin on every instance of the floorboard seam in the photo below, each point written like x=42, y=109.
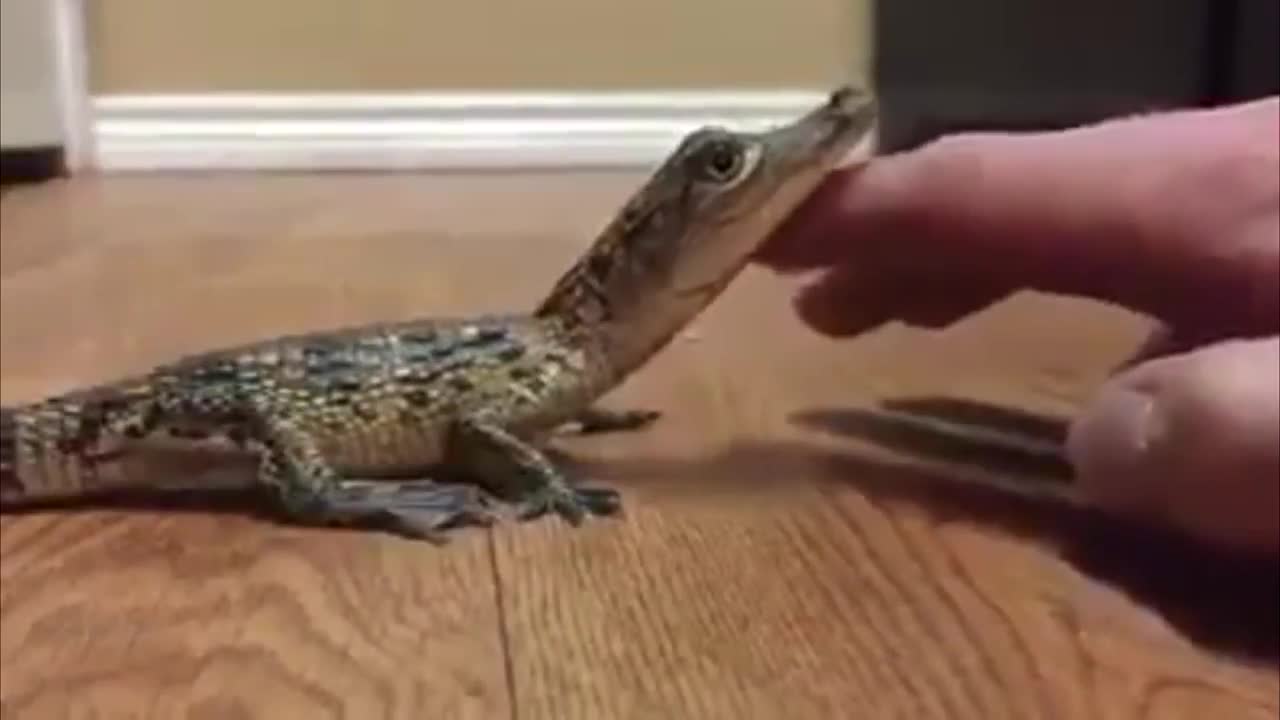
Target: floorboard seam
x=504, y=633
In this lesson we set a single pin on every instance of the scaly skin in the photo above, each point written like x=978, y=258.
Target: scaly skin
x=422, y=424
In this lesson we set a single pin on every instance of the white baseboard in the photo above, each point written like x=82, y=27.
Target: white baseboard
x=431, y=131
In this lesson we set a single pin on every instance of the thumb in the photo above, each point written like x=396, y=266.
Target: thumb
x=1191, y=441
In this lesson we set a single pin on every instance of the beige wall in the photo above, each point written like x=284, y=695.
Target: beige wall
x=391, y=45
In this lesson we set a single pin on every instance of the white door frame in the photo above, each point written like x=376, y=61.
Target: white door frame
x=72, y=73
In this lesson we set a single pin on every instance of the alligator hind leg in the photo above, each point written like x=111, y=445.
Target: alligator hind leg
x=312, y=493
x=522, y=472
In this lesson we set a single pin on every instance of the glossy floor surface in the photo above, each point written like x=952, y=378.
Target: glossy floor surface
x=806, y=534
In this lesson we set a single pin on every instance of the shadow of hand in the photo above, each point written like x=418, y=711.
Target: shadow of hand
x=1227, y=602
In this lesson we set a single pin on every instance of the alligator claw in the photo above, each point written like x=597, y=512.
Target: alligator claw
x=571, y=504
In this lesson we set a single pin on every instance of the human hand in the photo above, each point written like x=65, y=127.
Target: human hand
x=1176, y=215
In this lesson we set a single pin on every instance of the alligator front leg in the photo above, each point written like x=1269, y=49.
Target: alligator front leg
x=522, y=472
x=312, y=493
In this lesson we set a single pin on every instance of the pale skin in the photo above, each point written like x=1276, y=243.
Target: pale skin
x=1175, y=215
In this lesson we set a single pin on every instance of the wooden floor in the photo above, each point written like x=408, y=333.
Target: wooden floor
x=788, y=550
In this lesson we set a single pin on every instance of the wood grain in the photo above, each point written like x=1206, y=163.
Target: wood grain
x=215, y=615
x=195, y=616
x=788, y=550
x=767, y=570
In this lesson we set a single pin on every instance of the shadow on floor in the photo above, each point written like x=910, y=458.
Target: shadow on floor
x=219, y=501
x=1015, y=421
x=994, y=440
x=1227, y=602
x=1222, y=600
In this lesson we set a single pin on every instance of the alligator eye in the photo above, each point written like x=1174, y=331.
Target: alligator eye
x=723, y=160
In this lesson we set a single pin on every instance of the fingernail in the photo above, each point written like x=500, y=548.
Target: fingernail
x=1113, y=444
